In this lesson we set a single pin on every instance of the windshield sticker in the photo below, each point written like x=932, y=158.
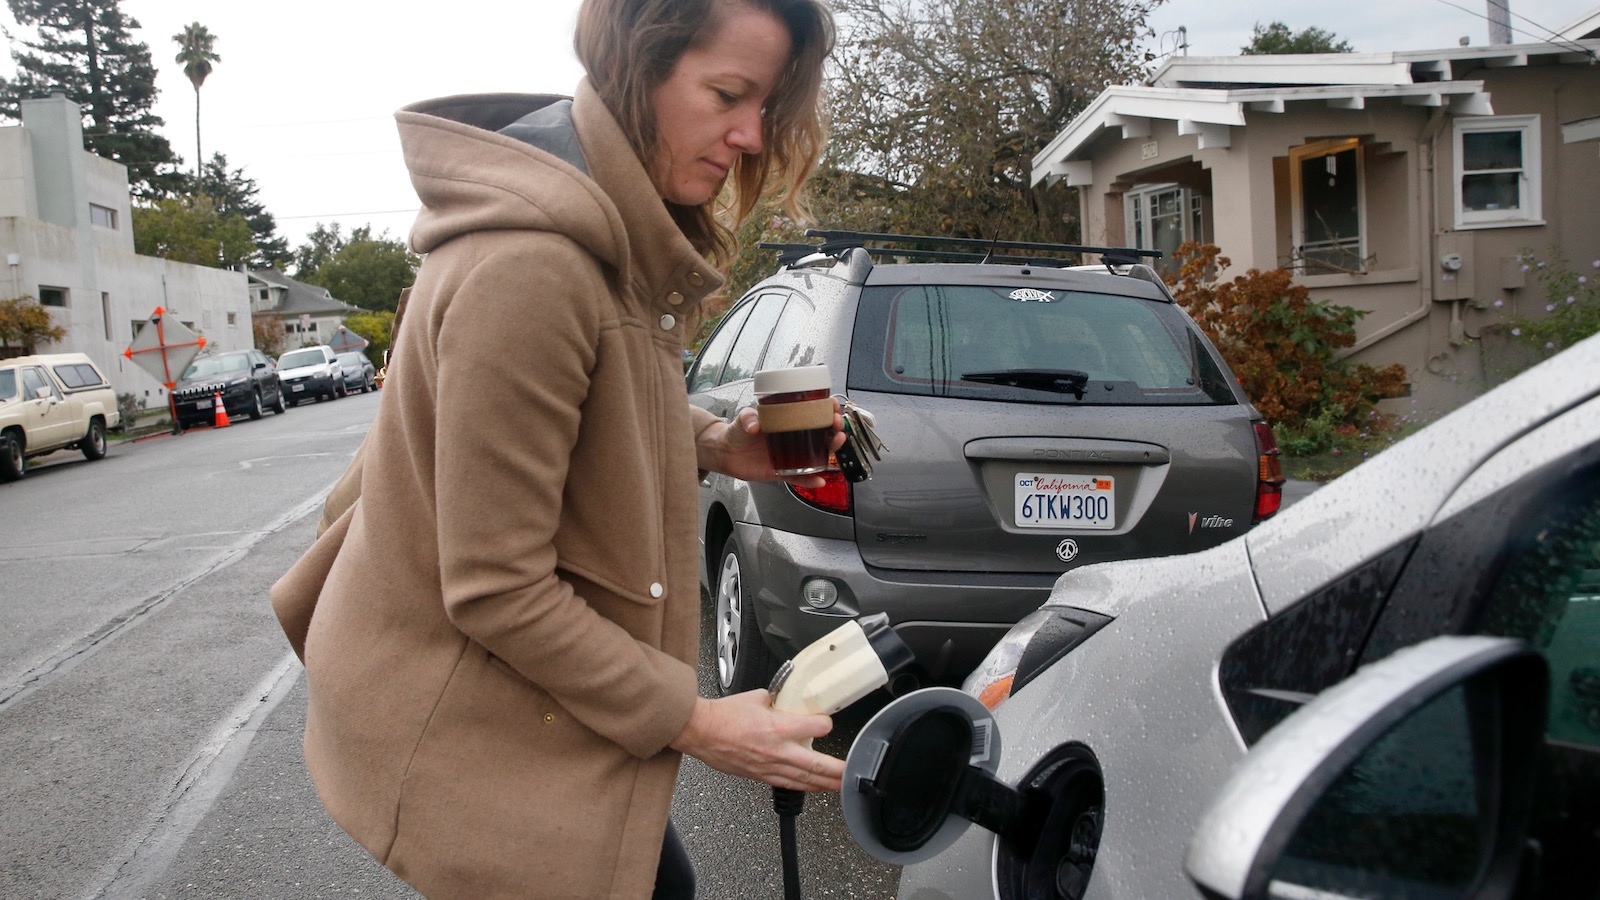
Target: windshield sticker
x=1032, y=295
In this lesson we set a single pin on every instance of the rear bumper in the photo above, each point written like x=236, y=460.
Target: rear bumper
x=950, y=620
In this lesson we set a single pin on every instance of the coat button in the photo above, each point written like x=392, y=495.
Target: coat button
x=656, y=590
x=696, y=279
x=675, y=298
x=667, y=322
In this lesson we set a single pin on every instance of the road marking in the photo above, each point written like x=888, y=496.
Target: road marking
x=201, y=780
x=50, y=669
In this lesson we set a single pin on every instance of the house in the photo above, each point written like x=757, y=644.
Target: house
x=1404, y=184
x=306, y=314
x=67, y=239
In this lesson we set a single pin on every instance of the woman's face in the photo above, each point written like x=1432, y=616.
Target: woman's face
x=708, y=111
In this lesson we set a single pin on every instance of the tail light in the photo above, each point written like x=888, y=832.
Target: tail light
x=1269, y=473
x=833, y=496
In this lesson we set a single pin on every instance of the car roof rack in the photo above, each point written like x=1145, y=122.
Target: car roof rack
x=836, y=243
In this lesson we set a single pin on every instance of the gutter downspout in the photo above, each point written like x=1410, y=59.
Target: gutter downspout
x=1428, y=147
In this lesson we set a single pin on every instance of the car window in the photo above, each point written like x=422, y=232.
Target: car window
x=78, y=375
x=302, y=358
x=8, y=384
x=783, y=351
x=1549, y=596
x=957, y=340
x=715, y=351
x=33, y=379
x=751, y=343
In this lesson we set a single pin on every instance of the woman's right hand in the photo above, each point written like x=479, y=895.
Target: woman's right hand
x=743, y=735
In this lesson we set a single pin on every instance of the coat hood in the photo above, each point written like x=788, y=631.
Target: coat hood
x=470, y=178
x=539, y=162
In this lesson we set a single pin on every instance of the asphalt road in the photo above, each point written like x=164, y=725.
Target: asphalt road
x=151, y=714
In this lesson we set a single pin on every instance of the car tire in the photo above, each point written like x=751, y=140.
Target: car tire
x=93, y=444
x=278, y=405
x=13, y=464
x=743, y=660
x=256, y=410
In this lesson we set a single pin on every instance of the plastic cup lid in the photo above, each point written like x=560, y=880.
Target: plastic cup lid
x=788, y=381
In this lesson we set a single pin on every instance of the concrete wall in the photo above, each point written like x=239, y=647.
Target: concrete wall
x=47, y=182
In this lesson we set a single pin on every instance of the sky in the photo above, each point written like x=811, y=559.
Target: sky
x=304, y=95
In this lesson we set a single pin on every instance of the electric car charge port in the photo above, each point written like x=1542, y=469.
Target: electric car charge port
x=922, y=771
x=1052, y=856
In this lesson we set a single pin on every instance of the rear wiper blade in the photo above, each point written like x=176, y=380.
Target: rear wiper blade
x=1061, y=381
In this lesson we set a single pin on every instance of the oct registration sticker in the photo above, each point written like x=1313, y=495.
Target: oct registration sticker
x=1066, y=501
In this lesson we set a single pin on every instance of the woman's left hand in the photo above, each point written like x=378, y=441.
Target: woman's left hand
x=739, y=449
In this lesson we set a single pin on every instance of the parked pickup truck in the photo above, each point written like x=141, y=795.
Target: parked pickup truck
x=50, y=402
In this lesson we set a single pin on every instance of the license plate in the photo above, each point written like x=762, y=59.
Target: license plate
x=203, y=403
x=296, y=387
x=1065, y=501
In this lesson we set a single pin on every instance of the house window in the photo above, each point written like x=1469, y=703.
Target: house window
x=1328, y=207
x=233, y=319
x=104, y=216
x=105, y=313
x=1163, y=216
x=52, y=296
x=1497, y=171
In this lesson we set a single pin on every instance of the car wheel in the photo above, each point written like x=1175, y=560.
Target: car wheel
x=278, y=405
x=743, y=660
x=93, y=444
x=13, y=464
x=256, y=411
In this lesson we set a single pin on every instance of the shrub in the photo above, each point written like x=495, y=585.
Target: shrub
x=1571, y=308
x=1282, y=345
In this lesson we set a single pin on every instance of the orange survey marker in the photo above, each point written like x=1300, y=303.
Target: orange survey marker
x=222, y=411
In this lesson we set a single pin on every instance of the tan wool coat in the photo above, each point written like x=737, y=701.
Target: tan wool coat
x=505, y=623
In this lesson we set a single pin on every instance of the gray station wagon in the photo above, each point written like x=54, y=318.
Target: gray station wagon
x=1038, y=416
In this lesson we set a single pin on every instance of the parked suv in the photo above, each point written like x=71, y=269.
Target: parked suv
x=51, y=402
x=311, y=372
x=246, y=379
x=1038, y=418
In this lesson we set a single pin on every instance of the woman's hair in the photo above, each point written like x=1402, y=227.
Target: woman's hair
x=629, y=47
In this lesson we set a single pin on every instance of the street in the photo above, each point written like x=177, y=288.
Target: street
x=151, y=712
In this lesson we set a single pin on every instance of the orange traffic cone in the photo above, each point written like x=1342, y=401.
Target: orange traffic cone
x=222, y=411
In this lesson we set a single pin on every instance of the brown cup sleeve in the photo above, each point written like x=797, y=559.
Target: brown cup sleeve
x=797, y=416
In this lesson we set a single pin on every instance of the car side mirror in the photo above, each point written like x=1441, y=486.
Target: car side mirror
x=1412, y=777
x=42, y=393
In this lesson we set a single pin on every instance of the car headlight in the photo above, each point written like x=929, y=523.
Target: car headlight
x=1031, y=646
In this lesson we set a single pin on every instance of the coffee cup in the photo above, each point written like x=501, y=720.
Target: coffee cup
x=795, y=409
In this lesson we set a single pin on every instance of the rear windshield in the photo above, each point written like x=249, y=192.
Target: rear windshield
x=300, y=358
x=1028, y=345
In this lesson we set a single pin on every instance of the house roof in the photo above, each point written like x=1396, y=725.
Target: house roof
x=301, y=298
x=1586, y=26
x=1208, y=96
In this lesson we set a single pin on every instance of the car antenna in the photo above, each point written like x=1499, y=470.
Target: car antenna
x=993, y=243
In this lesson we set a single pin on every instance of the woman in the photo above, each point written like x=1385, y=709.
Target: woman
x=501, y=662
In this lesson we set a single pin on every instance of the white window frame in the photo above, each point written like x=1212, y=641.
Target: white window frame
x=1530, y=184
x=1137, y=219
x=103, y=216
x=1297, y=156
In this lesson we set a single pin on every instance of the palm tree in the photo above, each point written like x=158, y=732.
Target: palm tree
x=196, y=53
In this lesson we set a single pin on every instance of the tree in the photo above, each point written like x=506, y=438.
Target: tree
x=938, y=106
x=84, y=48
x=26, y=324
x=366, y=271
x=195, y=51
x=320, y=246
x=232, y=193
x=192, y=230
x=268, y=334
x=1275, y=37
x=377, y=327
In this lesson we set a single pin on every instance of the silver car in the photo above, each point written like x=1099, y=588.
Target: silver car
x=1037, y=417
x=1124, y=702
